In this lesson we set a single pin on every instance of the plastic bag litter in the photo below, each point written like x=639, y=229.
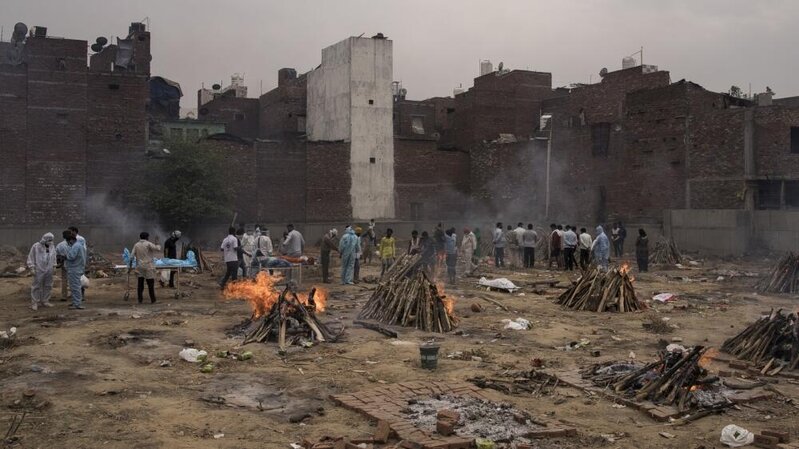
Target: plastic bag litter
x=664, y=297
x=501, y=283
x=675, y=348
x=192, y=355
x=735, y=436
x=518, y=324
x=8, y=335
x=84, y=281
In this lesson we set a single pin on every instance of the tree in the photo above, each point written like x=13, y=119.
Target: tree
x=735, y=91
x=185, y=187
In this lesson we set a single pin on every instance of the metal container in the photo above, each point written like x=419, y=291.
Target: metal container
x=429, y=355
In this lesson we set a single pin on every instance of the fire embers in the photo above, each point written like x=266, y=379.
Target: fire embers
x=406, y=296
x=599, y=291
x=679, y=378
x=286, y=316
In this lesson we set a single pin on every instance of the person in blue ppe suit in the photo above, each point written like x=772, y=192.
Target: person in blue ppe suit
x=601, y=249
x=348, y=248
x=76, y=265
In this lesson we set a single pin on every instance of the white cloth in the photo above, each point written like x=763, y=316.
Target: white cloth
x=248, y=244
x=293, y=244
x=229, y=245
x=500, y=283
x=264, y=244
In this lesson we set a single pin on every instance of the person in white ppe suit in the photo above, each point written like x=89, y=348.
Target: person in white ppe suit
x=41, y=261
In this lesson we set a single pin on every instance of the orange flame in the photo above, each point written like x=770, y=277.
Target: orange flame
x=708, y=357
x=261, y=294
x=624, y=268
x=449, y=303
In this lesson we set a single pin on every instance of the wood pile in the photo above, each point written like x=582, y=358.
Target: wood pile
x=598, y=291
x=784, y=278
x=407, y=297
x=666, y=253
x=288, y=310
x=676, y=379
x=771, y=342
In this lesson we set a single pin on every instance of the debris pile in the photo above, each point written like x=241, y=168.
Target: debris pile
x=407, y=297
x=286, y=316
x=530, y=382
x=677, y=378
x=666, y=252
x=784, y=278
x=599, y=291
x=771, y=342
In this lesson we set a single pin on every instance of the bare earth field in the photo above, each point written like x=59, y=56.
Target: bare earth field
x=110, y=375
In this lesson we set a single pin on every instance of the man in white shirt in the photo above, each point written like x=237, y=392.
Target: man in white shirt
x=499, y=246
x=569, y=247
x=519, y=256
x=294, y=243
x=585, y=248
x=231, y=256
x=529, y=240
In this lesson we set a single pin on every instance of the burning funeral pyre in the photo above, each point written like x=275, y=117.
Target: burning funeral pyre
x=598, y=291
x=666, y=252
x=771, y=342
x=677, y=378
x=280, y=313
x=406, y=296
x=784, y=278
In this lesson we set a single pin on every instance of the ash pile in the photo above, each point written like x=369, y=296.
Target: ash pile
x=286, y=316
x=771, y=343
x=473, y=418
x=406, y=296
x=600, y=291
x=784, y=277
x=678, y=378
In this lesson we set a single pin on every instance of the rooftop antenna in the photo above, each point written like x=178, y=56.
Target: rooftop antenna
x=361, y=35
x=640, y=54
x=146, y=19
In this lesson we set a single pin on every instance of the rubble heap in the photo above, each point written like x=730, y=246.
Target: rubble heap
x=285, y=316
x=771, y=342
x=784, y=278
x=677, y=378
x=666, y=253
x=599, y=291
x=406, y=296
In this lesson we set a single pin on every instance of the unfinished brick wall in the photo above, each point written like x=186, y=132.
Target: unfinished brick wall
x=436, y=181
x=239, y=168
x=13, y=143
x=408, y=111
x=281, y=180
x=328, y=182
x=772, y=137
x=240, y=115
x=283, y=109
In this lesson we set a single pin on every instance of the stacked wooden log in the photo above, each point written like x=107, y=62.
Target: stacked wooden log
x=286, y=310
x=599, y=291
x=407, y=297
x=671, y=380
x=666, y=253
x=772, y=342
x=784, y=278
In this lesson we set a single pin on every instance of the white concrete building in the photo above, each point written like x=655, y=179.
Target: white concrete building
x=349, y=99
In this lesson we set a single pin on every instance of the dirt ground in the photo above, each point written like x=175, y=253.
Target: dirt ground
x=110, y=375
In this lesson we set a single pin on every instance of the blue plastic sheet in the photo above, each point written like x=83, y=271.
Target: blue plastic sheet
x=189, y=262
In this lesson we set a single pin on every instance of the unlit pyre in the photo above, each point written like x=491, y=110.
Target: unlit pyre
x=406, y=296
x=772, y=342
x=784, y=278
x=599, y=291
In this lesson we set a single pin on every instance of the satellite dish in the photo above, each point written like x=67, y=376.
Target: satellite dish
x=216, y=87
x=102, y=41
x=603, y=72
x=97, y=48
x=500, y=66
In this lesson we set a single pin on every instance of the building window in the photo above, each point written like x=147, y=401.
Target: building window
x=792, y=194
x=416, y=211
x=600, y=139
x=372, y=160
x=371, y=102
x=768, y=194
x=795, y=139
x=113, y=86
x=417, y=124
x=300, y=124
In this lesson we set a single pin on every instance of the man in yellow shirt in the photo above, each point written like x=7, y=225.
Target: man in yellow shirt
x=387, y=250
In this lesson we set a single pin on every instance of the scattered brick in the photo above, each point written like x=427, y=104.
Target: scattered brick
x=766, y=442
x=383, y=432
x=783, y=436
x=445, y=427
x=450, y=415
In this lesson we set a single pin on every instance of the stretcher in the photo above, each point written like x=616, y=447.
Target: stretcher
x=159, y=269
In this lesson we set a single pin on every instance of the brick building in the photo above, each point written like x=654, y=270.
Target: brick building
x=60, y=119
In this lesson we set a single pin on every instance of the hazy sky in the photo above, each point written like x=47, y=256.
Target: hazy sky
x=437, y=44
